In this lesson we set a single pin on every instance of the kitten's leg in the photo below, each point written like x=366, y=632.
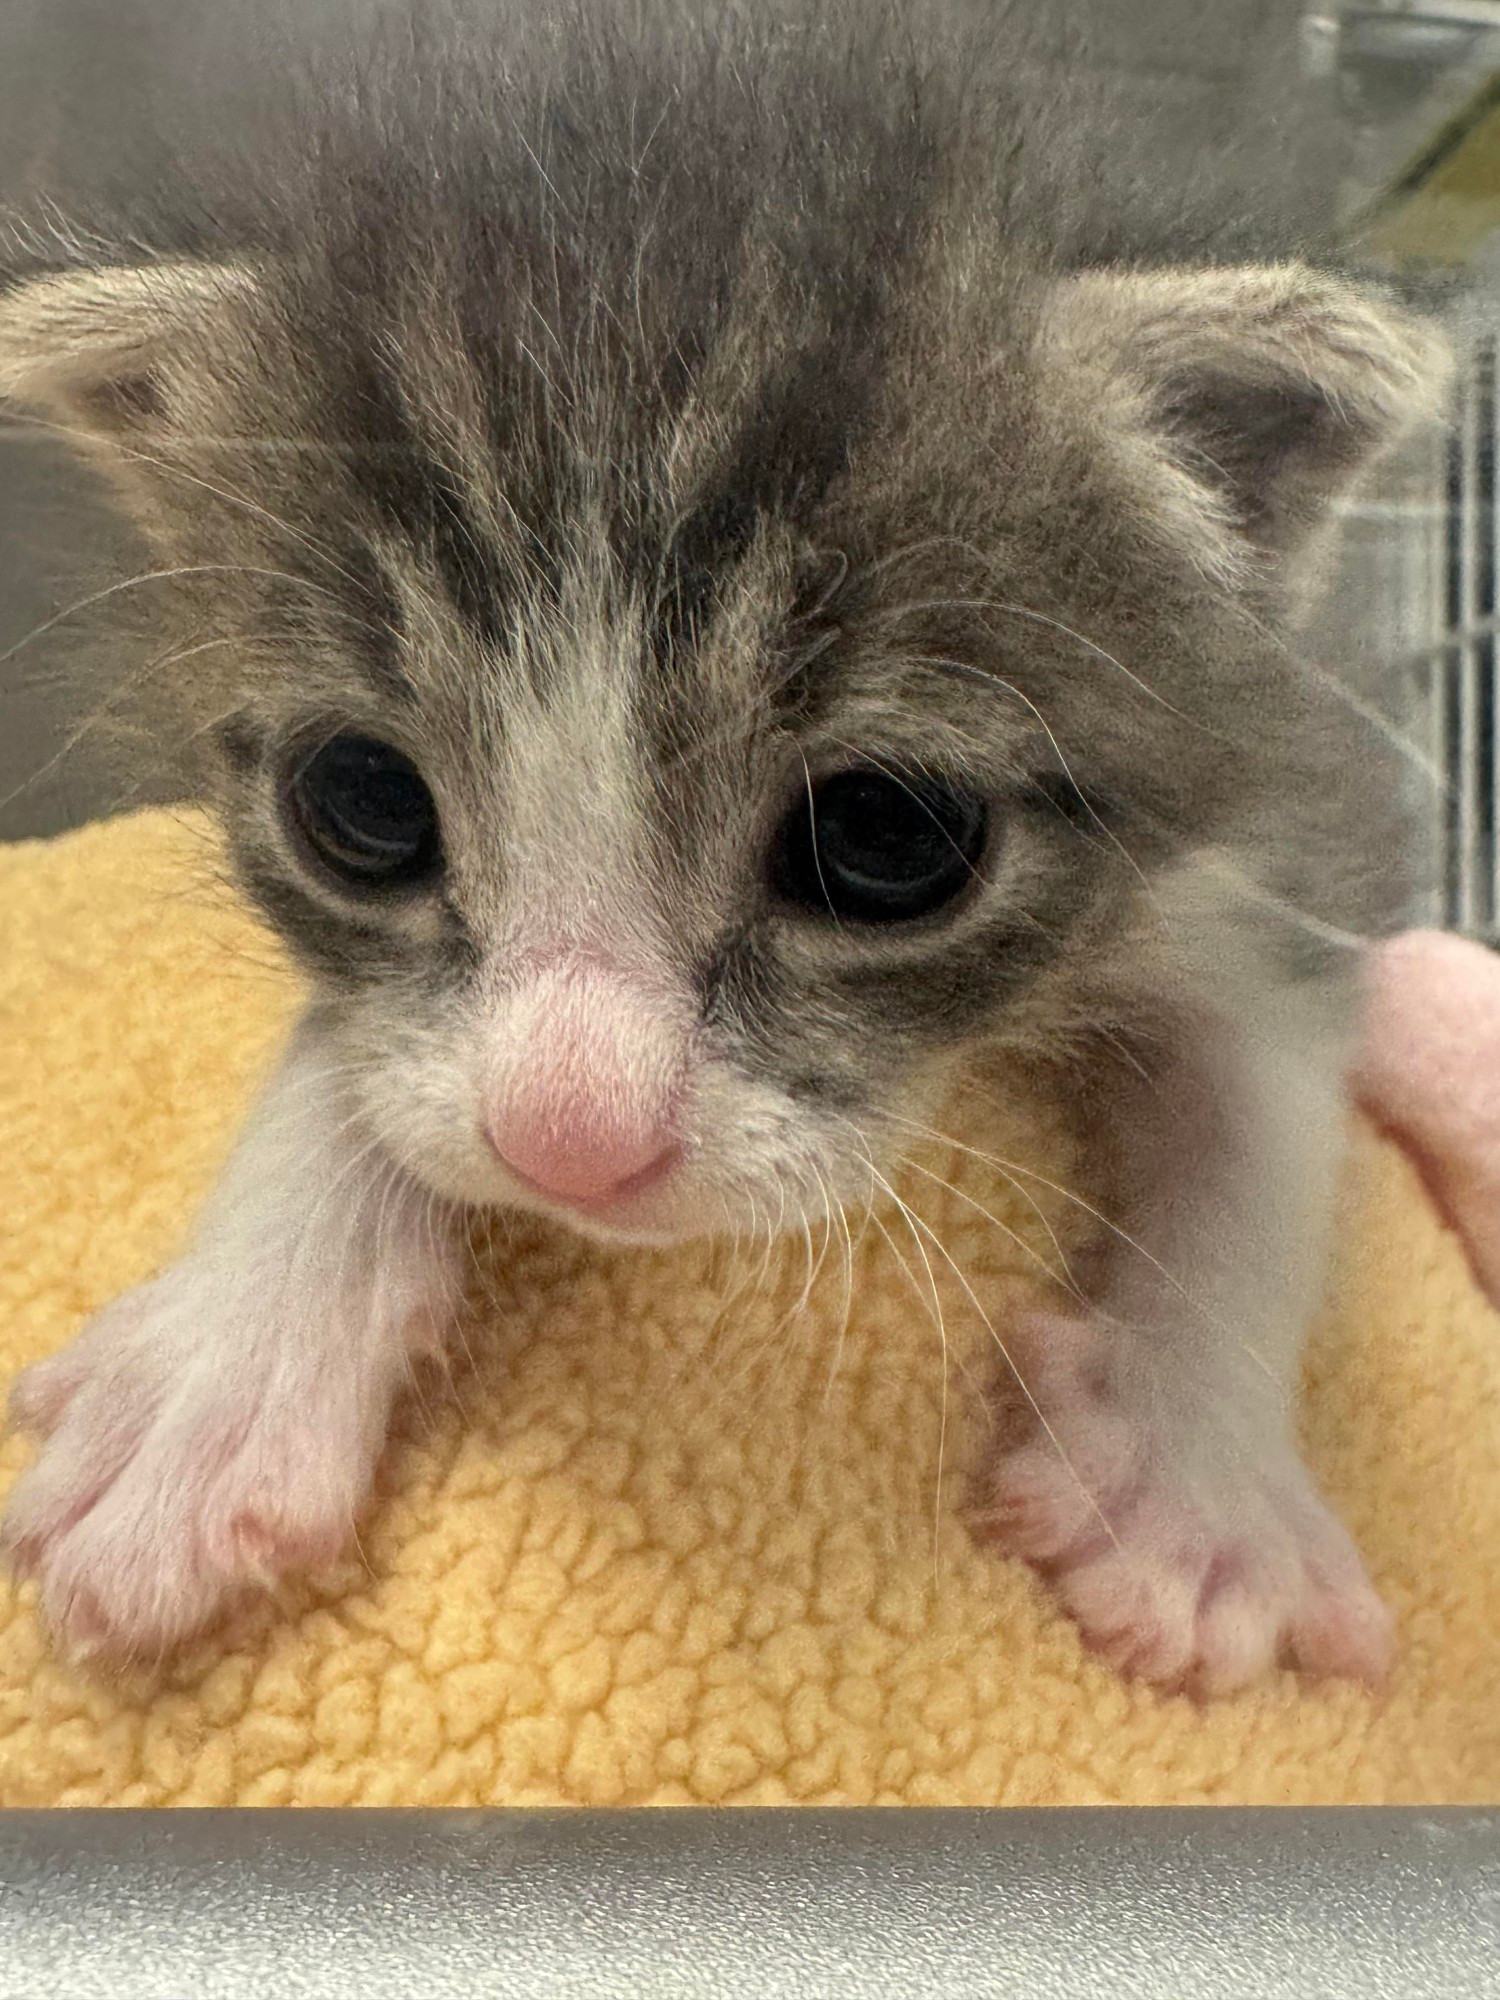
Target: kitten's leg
x=1165, y=1498
x=220, y=1424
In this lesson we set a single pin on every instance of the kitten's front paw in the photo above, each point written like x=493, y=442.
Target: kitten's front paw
x=1187, y=1564
x=186, y=1458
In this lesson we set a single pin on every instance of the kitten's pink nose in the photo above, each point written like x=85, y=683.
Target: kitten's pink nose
x=588, y=1108
x=582, y=1159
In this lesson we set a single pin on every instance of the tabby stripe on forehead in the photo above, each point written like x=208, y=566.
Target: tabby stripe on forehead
x=380, y=635
x=470, y=574
x=789, y=452
x=418, y=495
x=709, y=542
x=793, y=445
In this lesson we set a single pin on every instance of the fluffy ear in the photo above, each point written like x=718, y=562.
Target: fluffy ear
x=97, y=350
x=1270, y=385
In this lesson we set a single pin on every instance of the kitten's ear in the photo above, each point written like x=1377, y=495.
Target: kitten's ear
x=98, y=350
x=1272, y=385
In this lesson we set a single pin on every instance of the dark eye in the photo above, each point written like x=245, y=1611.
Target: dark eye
x=366, y=812
x=871, y=846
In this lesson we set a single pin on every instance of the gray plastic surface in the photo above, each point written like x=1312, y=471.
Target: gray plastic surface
x=1062, y=1905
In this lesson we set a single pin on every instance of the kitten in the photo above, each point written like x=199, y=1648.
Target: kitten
x=710, y=586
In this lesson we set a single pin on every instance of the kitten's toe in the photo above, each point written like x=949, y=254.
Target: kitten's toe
x=1235, y=1641
x=1343, y=1631
x=1136, y=1614
x=41, y=1395
x=39, y=1398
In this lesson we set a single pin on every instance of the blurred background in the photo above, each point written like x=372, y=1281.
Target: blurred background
x=1379, y=120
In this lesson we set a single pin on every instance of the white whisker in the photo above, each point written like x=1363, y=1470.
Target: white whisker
x=1010, y=1362
x=1122, y=1235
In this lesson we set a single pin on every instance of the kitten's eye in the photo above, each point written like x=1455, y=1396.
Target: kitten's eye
x=366, y=812
x=878, y=848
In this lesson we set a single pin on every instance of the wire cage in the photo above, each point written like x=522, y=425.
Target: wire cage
x=1413, y=610
x=1413, y=622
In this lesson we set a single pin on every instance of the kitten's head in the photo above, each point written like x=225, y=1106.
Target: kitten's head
x=688, y=640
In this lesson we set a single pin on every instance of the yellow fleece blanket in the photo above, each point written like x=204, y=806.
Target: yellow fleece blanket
x=682, y=1527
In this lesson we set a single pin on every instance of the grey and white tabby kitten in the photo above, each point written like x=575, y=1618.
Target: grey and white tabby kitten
x=709, y=588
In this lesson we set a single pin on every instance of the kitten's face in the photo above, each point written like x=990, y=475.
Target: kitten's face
x=675, y=739
x=668, y=811
x=665, y=854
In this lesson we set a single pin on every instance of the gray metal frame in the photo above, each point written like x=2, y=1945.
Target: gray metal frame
x=1059, y=1905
